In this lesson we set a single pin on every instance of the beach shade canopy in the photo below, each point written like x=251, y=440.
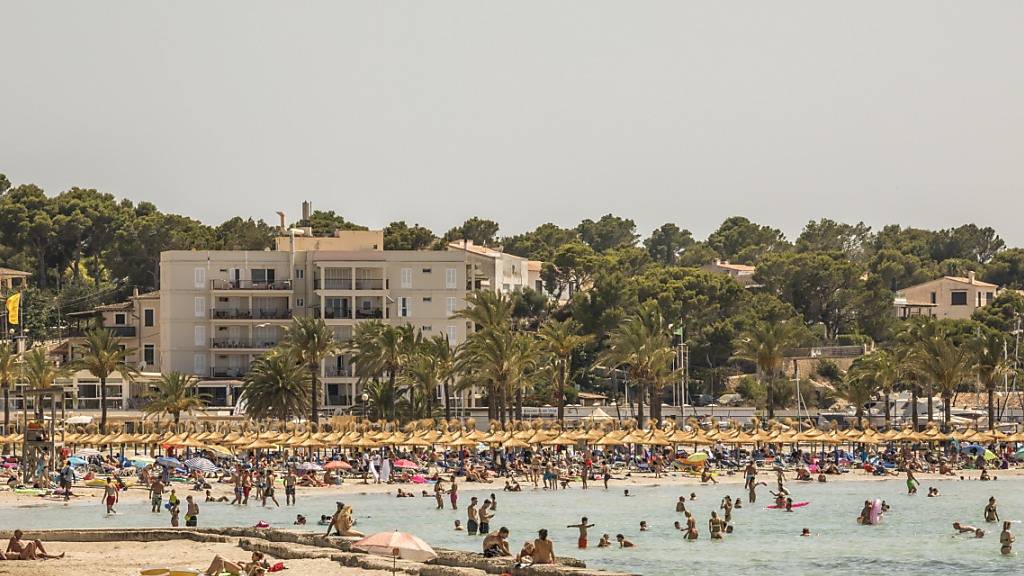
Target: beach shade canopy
x=401, y=463
x=337, y=465
x=76, y=461
x=87, y=452
x=79, y=420
x=396, y=544
x=201, y=464
x=168, y=462
x=309, y=467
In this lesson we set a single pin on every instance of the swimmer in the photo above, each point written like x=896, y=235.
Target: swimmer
x=583, y=527
x=1006, y=539
x=677, y=525
x=626, y=493
x=912, y=482
x=805, y=532
x=693, y=496
x=643, y=526
x=300, y=520
x=623, y=543
x=691, y=526
x=991, y=514
x=458, y=526
x=681, y=504
x=716, y=526
x=604, y=542
x=963, y=528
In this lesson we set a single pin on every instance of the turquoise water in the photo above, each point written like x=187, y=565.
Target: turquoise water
x=914, y=538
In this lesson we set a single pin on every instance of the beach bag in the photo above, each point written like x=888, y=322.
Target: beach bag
x=277, y=567
x=262, y=524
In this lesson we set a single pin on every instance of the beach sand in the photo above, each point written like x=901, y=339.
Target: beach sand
x=354, y=486
x=130, y=558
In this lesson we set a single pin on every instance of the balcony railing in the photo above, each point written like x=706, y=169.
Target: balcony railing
x=373, y=313
x=252, y=343
x=369, y=283
x=225, y=372
x=336, y=372
x=339, y=400
x=244, y=314
x=337, y=283
x=338, y=314
x=119, y=331
x=250, y=285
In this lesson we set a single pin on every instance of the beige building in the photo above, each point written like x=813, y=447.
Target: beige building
x=742, y=273
x=12, y=280
x=222, y=309
x=493, y=269
x=952, y=297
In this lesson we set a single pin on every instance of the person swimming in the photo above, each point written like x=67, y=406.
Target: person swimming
x=991, y=514
x=1006, y=540
x=604, y=542
x=623, y=543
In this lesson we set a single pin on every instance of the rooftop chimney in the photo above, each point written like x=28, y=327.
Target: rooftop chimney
x=284, y=227
x=970, y=276
x=307, y=207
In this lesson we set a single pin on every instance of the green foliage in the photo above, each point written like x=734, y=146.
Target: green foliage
x=667, y=243
x=175, y=393
x=540, y=244
x=324, y=223
x=741, y=241
x=1007, y=269
x=277, y=386
x=1003, y=313
x=826, y=235
x=244, y=234
x=400, y=236
x=607, y=233
x=828, y=370
x=477, y=230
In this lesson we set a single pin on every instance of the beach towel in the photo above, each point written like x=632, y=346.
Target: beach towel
x=277, y=567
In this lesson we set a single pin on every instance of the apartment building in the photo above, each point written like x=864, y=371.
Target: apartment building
x=952, y=297
x=493, y=269
x=221, y=309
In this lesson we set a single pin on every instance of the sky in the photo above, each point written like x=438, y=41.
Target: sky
x=525, y=112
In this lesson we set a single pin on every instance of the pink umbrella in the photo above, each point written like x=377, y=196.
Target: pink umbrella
x=337, y=465
x=400, y=463
x=397, y=545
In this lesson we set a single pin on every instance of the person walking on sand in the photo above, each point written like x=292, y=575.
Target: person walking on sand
x=110, y=496
x=583, y=527
x=912, y=482
x=991, y=514
x=268, y=492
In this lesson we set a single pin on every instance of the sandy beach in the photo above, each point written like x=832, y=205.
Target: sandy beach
x=85, y=495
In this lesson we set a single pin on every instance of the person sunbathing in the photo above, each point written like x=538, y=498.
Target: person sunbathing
x=220, y=565
x=18, y=549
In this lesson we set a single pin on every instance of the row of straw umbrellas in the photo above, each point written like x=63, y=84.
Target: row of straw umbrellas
x=229, y=443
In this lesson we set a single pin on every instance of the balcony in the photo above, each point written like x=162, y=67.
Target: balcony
x=335, y=283
x=250, y=285
x=369, y=313
x=243, y=343
x=369, y=284
x=118, y=331
x=333, y=371
x=338, y=314
x=227, y=372
x=245, y=314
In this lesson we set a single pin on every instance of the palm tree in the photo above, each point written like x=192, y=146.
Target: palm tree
x=946, y=366
x=560, y=340
x=765, y=345
x=884, y=370
x=38, y=372
x=487, y=310
x=311, y=341
x=501, y=360
x=277, y=386
x=104, y=355
x=8, y=371
x=380, y=348
x=175, y=393
x=643, y=347
x=380, y=400
x=859, y=385
x=991, y=364
x=421, y=378
x=444, y=354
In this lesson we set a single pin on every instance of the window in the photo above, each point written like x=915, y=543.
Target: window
x=427, y=328
x=450, y=277
x=452, y=336
x=451, y=305
x=119, y=319
x=200, y=335
x=979, y=300
x=989, y=297
x=148, y=317
x=300, y=273
x=149, y=354
x=935, y=299
x=200, y=277
x=300, y=302
x=406, y=277
x=262, y=275
x=199, y=364
x=958, y=298
x=428, y=299
x=426, y=270
x=200, y=307
x=403, y=307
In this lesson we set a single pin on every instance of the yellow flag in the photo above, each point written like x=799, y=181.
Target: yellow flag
x=13, y=308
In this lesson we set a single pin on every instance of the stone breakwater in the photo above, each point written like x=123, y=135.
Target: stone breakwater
x=291, y=545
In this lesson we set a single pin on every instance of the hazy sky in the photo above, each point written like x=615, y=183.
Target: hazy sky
x=903, y=112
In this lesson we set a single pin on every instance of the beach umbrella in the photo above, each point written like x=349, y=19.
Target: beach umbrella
x=337, y=465
x=309, y=467
x=87, y=452
x=396, y=545
x=168, y=462
x=201, y=464
x=76, y=461
x=400, y=463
